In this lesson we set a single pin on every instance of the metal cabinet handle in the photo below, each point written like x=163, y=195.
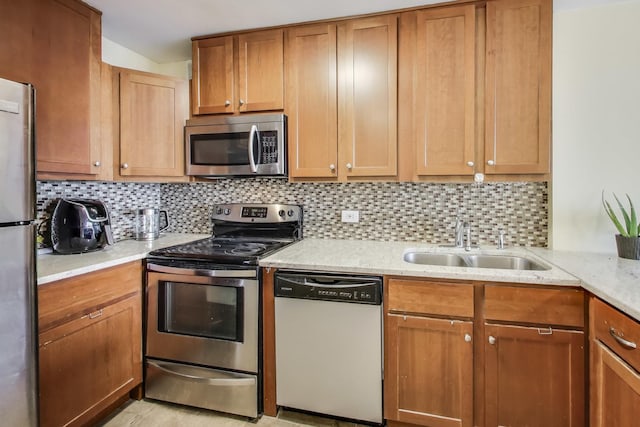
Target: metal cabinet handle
x=470, y=164
x=349, y=166
x=95, y=314
x=125, y=166
x=625, y=343
x=467, y=338
x=242, y=102
x=492, y=340
x=332, y=167
x=227, y=103
x=97, y=163
x=491, y=162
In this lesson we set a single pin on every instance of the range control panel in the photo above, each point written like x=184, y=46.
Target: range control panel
x=326, y=287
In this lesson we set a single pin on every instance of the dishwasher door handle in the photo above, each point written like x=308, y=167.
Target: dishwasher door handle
x=309, y=283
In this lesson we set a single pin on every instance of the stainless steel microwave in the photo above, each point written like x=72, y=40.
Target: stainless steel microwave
x=241, y=146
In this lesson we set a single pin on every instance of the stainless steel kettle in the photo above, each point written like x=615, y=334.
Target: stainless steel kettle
x=80, y=225
x=147, y=223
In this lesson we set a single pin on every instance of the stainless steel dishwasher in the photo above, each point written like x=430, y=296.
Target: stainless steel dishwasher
x=329, y=344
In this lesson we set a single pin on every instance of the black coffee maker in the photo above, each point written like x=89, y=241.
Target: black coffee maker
x=80, y=225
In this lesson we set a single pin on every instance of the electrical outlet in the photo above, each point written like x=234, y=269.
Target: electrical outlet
x=350, y=216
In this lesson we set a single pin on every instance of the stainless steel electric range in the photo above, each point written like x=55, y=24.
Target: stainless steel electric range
x=203, y=329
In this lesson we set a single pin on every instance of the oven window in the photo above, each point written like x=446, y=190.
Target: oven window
x=201, y=310
x=220, y=149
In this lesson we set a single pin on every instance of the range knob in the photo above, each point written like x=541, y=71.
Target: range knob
x=281, y=213
x=218, y=211
x=290, y=212
x=227, y=211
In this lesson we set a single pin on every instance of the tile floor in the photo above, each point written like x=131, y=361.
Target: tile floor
x=148, y=413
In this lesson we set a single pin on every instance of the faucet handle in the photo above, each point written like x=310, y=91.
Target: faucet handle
x=501, y=234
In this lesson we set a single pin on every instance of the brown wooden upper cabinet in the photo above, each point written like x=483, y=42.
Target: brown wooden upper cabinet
x=476, y=90
x=152, y=110
x=56, y=46
x=438, y=55
x=518, y=87
x=341, y=82
x=238, y=73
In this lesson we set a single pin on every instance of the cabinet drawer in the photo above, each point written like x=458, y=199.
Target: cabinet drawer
x=549, y=306
x=426, y=297
x=618, y=331
x=64, y=300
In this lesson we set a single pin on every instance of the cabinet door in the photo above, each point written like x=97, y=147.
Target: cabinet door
x=367, y=109
x=428, y=371
x=311, y=101
x=66, y=75
x=444, y=82
x=212, y=83
x=261, y=71
x=615, y=390
x=534, y=377
x=153, y=111
x=16, y=26
x=518, y=86
x=87, y=363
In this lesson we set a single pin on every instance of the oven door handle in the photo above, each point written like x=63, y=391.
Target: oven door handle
x=196, y=272
x=210, y=381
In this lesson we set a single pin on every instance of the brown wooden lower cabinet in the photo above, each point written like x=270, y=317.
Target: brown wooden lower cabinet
x=615, y=367
x=90, y=344
x=615, y=390
x=429, y=371
x=534, y=376
x=486, y=363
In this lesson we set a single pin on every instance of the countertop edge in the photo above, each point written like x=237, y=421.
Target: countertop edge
x=53, y=267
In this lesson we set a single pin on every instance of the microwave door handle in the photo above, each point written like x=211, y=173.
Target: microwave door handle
x=252, y=140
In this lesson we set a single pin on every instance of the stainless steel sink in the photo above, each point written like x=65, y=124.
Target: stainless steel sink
x=451, y=260
x=503, y=262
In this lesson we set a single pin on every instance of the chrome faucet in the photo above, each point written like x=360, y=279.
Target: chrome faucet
x=459, y=230
x=467, y=231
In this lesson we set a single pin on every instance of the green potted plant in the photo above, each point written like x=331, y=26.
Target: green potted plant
x=628, y=241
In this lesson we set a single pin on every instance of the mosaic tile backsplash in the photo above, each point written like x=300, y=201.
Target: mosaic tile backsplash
x=388, y=211
x=121, y=198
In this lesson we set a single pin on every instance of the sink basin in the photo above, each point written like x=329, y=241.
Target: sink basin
x=503, y=262
x=451, y=260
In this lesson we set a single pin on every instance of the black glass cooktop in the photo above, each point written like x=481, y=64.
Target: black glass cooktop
x=245, y=251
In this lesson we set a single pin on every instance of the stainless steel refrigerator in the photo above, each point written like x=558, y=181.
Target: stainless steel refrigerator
x=18, y=314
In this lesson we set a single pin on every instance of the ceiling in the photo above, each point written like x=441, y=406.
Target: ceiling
x=161, y=30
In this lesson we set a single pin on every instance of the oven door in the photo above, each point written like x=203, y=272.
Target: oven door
x=211, y=321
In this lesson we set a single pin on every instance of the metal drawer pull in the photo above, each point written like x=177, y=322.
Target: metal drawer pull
x=625, y=343
x=467, y=338
x=210, y=381
x=492, y=340
x=95, y=314
x=545, y=331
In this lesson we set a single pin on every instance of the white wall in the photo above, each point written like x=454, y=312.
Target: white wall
x=118, y=55
x=596, y=121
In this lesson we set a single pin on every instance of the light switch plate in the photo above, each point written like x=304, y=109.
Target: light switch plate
x=350, y=216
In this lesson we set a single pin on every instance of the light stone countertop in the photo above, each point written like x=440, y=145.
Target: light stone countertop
x=376, y=257
x=52, y=267
x=614, y=280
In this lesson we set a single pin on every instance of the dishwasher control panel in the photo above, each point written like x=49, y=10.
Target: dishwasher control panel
x=328, y=287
